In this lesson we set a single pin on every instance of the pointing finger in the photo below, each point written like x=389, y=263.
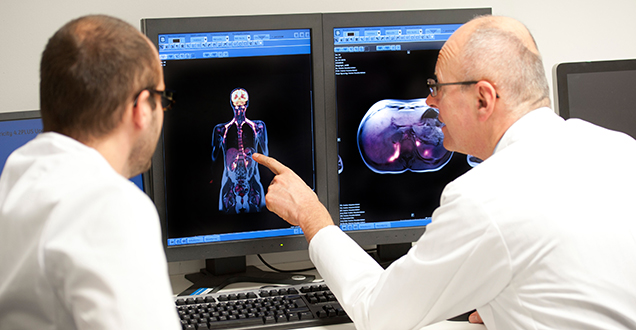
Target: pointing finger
x=275, y=166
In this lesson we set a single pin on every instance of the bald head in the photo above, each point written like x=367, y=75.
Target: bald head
x=510, y=25
x=502, y=51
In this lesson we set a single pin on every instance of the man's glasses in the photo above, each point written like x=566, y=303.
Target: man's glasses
x=433, y=85
x=167, y=98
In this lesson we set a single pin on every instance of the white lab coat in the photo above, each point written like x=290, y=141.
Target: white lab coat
x=80, y=246
x=542, y=235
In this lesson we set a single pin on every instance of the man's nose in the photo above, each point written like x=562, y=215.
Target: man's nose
x=431, y=101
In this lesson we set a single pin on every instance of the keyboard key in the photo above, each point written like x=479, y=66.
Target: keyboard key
x=306, y=315
x=236, y=323
x=269, y=319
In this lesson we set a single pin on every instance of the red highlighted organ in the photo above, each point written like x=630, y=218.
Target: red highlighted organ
x=396, y=136
x=236, y=141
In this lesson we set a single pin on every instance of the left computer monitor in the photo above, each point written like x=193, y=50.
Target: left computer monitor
x=19, y=127
x=242, y=85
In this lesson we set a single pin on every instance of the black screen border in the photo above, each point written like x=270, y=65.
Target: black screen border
x=20, y=115
x=563, y=70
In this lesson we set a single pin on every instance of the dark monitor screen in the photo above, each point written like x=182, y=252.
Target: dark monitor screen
x=243, y=85
x=392, y=166
x=19, y=127
x=600, y=92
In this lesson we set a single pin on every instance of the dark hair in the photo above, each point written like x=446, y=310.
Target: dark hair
x=90, y=69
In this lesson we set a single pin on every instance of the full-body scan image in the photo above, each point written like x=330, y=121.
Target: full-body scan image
x=236, y=141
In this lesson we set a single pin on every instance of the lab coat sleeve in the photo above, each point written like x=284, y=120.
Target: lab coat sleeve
x=103, y=257
x=459, y=264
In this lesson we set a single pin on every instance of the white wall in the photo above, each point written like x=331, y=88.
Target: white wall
x=565, y=31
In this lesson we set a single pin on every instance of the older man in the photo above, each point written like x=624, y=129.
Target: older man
x=80, y=245
x=541, y=235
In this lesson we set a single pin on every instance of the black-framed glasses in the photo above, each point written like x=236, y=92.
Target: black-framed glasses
x=433, y=85
x=167, y=97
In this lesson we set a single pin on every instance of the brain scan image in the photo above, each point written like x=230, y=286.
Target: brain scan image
x=234, y=142
x=396, y=136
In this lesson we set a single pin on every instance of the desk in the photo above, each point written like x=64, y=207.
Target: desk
x=179, y=284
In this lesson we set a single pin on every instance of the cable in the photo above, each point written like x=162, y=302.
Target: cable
x=281, y=270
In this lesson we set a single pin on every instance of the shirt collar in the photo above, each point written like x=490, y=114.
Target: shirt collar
x=529, y=124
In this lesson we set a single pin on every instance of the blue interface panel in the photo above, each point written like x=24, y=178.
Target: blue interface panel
x=391, y=38
x=187, y=46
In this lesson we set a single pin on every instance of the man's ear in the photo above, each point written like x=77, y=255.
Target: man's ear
x=486, y=98
x=141, y=111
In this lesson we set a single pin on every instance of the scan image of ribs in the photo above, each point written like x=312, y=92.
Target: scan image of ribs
x=235, y=142
x=396, y=136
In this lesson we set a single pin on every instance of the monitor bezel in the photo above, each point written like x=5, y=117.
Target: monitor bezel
x=364, y=19
x=20, y=115
x=565, y=69
x=152, y=27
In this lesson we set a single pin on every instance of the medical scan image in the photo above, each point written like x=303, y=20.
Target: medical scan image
x=235, y=142
x=396, y=136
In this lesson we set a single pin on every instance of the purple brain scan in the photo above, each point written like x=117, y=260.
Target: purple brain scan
x=236, y=141
x=396, y=136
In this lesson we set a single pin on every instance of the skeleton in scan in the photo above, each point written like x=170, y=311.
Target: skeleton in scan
x=236, y=141
x=396, y=136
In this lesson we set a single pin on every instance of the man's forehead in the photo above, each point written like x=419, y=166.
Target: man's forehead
x=449, y=55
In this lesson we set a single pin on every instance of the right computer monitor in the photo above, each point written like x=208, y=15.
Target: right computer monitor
x=386, y=141
x=601, y=92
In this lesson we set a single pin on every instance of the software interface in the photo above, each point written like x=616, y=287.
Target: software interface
x=391, y=161
x=16, y=133
x=238, y=93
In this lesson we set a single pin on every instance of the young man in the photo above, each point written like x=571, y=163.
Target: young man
x=541, y=235
x=80, y=245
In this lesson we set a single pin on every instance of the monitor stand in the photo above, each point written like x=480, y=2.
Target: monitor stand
x=386, y=254
x=221, y=272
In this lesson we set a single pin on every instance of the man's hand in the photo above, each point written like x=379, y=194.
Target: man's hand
x=290, y=198
x=475, y=318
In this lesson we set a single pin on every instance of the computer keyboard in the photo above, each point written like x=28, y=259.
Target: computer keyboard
x=280, y=307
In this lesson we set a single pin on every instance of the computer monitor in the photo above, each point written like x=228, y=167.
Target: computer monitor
x=19, y=127
x=601, y=92
x=242, y=85
x=384, y=138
